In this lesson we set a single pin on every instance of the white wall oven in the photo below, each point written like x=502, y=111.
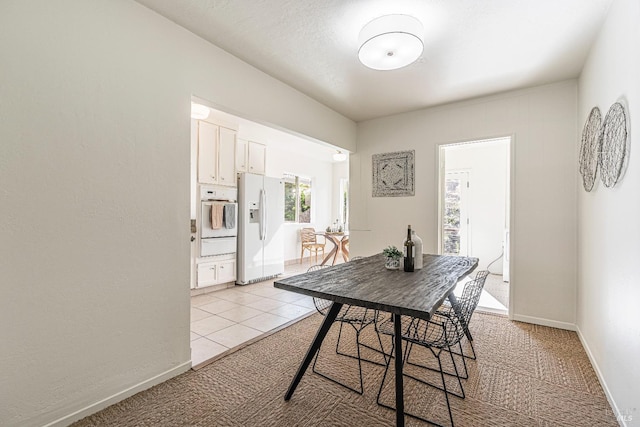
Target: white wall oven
x=217, y=236
x=218, y=220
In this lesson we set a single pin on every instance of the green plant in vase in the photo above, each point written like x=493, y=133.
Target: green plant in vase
x=392, y=255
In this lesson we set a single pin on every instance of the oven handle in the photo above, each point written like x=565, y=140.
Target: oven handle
x=205, y=226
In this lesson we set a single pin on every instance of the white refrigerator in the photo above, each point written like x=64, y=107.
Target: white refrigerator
x=260, y=222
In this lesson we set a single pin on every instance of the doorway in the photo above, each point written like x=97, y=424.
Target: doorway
x=474, y=210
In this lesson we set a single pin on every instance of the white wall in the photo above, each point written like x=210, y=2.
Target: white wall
x=608, y=316
x=542, y=121
x=94, y=182
x=340, y=171
x=487, y=164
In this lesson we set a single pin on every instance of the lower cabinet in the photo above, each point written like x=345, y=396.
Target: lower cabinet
x=227, y=271
x=216, y=270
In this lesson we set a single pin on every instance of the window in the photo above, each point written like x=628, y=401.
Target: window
x=297, y=198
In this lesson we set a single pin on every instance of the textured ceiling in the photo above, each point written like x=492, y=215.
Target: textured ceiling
x=472, y=47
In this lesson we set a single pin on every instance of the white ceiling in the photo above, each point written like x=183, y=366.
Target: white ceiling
x=472, y=47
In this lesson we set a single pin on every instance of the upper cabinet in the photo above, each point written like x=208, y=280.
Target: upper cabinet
x=216, y=154
x=227, y=157
x=207, y=153
x=242, y=155
x=250, y=156
x=221, y=154
x=257, y=157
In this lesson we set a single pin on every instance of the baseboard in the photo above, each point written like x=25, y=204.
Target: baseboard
x=93, y=408
x=621, y=419
x=489, y=310
x=305, y=260
x=544, y=322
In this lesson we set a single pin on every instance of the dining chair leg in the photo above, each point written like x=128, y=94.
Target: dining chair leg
x=391, y=355
x=473, y=351
x=451, y=374
x=442, y=388
x=358, y=330
x=384, y=376
x=444, y=385
x=387, y=365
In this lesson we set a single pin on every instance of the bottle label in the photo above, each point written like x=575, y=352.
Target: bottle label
x=408, y=258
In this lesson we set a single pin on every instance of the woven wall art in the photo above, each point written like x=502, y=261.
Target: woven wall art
x=613, y=144
x=590, y=149
x=393, y=174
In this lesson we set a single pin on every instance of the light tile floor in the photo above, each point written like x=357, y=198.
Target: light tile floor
x=222, y=320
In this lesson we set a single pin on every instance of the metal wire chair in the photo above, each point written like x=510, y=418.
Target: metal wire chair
x=446, y=328
x=358, y=318
x=467, y=304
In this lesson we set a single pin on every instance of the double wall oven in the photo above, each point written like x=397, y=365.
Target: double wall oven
x=217, y=220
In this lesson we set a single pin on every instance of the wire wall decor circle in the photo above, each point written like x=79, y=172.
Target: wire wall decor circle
x=613, y=145
x=590, y=148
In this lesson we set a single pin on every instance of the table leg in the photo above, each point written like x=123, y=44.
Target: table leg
x=345, y=251
x=333, y=253
x=315, y=346
x=454, y=303
x=397, y=336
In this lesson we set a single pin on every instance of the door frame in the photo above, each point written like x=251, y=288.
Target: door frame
x=510, y=211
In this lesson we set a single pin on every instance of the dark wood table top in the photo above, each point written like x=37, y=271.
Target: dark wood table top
x=367, y=283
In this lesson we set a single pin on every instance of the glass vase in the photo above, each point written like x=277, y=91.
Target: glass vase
x=392, y=263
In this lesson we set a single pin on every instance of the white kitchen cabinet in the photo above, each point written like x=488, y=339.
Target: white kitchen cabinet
x=257, y=154
x=227, y=271
x=242, y=155
x=207, y=274
x=216, y=154
x=207, y=153
x=227, y=157
x=216, y=270
x=250, y=156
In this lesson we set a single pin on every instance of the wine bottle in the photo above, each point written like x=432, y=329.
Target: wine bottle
x=417, y=241
x=409, y=252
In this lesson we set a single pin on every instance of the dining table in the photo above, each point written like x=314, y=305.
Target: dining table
x=366, y=282
x=340, y=241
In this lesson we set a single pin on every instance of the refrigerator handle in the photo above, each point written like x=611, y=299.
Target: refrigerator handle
x=263, y=219
x=261, y=207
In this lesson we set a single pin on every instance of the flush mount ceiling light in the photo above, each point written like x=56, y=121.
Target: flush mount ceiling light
x=339, y=156
x=391, y=42
x=199, y=111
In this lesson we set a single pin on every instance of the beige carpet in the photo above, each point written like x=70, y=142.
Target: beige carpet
x=525, y=375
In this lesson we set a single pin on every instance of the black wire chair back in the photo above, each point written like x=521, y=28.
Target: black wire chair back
x=471, y=295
